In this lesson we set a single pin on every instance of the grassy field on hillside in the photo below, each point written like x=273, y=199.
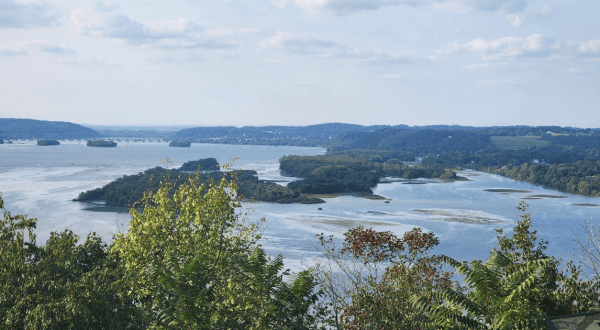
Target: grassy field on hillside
x=518, y=142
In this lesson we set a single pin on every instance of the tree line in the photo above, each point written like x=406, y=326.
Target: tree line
x=582, y=177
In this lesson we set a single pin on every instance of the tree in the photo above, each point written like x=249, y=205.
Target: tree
x=385, y=304
x=516, y=288
x=193, y=261
x=62, y=284
x=496, y=297
x=368, y=280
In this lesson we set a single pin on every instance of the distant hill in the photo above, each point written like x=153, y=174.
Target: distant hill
x=349, y=136
x=423, y=141
x=426, y=140
x=11, y=128
x=312, y=135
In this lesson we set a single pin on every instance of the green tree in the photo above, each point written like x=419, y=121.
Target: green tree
x=496, y=298
x=516, y=288
x=193, y=262
x=62, y=284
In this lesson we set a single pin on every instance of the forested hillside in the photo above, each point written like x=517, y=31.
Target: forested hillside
x=566, y=161
x=353, y=174
x=313, y=135
x=11, y=128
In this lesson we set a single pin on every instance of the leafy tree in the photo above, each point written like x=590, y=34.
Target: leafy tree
x=193, y=261
x=516, y=288
x=496, y=298
x=62, y=284
x=368, y=280
x=385, y=304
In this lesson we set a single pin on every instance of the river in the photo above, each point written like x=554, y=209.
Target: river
x=42, y=181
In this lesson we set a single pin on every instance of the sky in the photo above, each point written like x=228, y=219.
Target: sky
x=301, y=62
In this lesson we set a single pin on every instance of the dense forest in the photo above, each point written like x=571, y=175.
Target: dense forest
x=125, y=191
x=101, y=143
x=47, y=142
x=190, y=260
x=558, y=158
x=330, y=174
x=582, y=177
x=11, y=128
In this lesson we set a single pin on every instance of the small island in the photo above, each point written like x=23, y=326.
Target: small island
x=355, y=173
x=125, y=191
x=180, y=144
x=48, y=142
x=101, y=143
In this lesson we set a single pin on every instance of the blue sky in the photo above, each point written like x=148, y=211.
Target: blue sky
x=301, y=62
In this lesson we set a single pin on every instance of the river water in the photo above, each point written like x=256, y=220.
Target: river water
x=42, y=181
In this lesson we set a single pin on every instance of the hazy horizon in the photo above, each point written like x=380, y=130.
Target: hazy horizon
x=180, y=127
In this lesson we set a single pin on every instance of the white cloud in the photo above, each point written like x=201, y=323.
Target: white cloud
x=230, y=32
x=514, y=10
x=572, y=71
x=172, y=28
x=589, y=47
x=296, y=43
x=11, y=51
x=341, y=7
x=532, y=46
x=535, y=45
x=25, y=47
x=16, y=14
x=87, y=22
x=179, y=33
x=305, y=43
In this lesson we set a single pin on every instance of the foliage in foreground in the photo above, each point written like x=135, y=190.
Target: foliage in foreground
x=516, y=288
x=188, y=261
x=191, y=260
x=62, y=284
